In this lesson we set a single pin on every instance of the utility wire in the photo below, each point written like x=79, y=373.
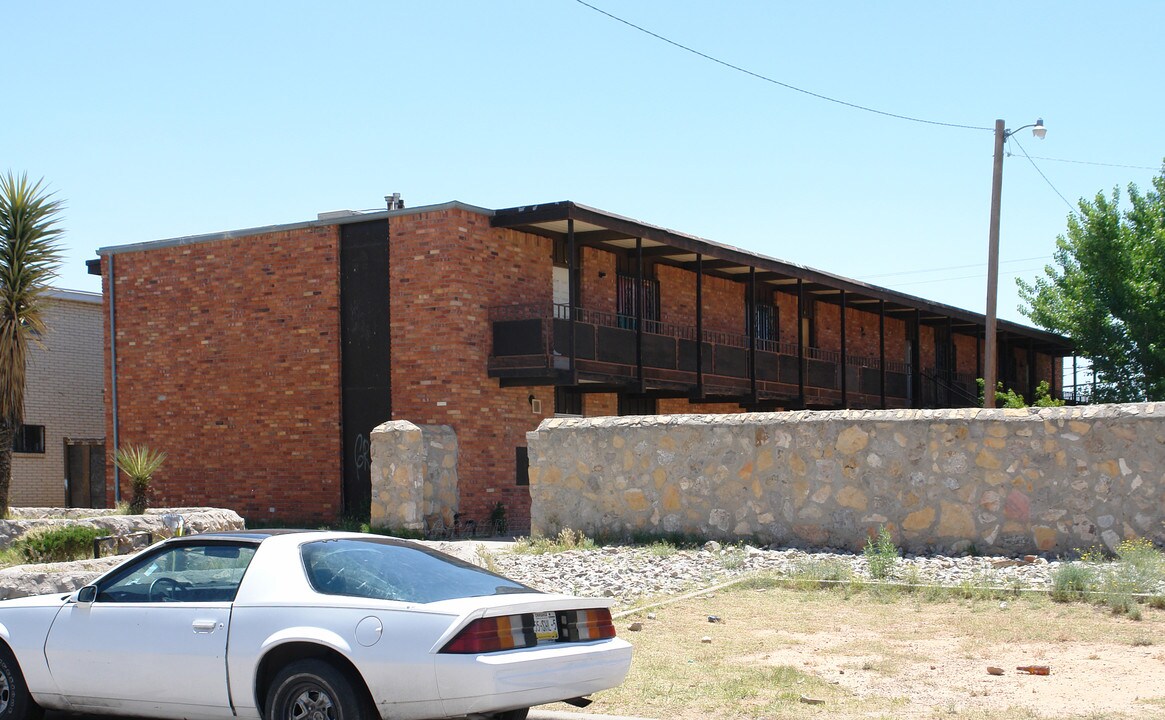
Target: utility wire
x=768, y=79
x=1100, y=164
x=1071, y=209
x=951, y=267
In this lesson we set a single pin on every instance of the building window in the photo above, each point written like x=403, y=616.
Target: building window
x=765, y=322
x=632, y=405
x=29, y=439
x=522, y=466
x=627, y=302
x=567, y=402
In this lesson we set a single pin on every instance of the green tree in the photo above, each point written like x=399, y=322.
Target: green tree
x=1108, y=292
x=29, y=258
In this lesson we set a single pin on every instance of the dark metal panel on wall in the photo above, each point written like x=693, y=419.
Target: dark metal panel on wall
x=364, y=353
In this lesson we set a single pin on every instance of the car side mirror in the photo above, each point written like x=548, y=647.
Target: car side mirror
x=86, y=595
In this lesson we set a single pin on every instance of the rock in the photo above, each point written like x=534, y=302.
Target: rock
x=712, y=546
x=992, y=670
x=635, y=626
x=706, y=640
x=714, y=618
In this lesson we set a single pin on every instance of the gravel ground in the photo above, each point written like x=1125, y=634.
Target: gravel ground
x=631, y=575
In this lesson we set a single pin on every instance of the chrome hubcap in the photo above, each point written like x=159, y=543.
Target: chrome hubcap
x=313, y=704
x=5, y=693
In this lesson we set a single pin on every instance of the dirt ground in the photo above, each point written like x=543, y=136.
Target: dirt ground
x=907, y=658
x=938, y=675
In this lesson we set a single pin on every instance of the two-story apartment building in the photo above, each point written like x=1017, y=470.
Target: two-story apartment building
x=260, y=359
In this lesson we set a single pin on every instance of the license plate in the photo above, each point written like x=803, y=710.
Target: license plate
x=546, y=626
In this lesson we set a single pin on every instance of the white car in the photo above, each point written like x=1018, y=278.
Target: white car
x=293, y=625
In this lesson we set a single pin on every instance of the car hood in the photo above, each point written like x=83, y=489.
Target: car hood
x=50, y=600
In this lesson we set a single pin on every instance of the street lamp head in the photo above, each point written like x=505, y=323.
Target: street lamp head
x=1039, y=130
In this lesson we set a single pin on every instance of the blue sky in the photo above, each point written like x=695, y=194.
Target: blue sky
x=156, y=120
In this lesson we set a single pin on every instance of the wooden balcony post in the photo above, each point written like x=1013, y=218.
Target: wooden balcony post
x=700, y=325
x=844, y=368
x=882, y=351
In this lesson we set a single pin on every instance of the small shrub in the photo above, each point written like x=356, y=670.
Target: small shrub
x=1072, y=581
x=881, y=554
x=140, y=463
x=566, y=539
x=497, y=518
x=1141, y=565
x=60, y=544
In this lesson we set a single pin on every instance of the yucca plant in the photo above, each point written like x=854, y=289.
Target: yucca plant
x=29, y=258
x=140, y=463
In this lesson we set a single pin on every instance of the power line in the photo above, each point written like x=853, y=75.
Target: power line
x=1045, y=177
x=951, y=267
x=1099, y=164
x=768, y=79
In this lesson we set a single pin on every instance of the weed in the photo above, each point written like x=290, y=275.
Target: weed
x=662, y=549
x=818, y=573
x=1072, y=581
x=881, y=554
x=733, y=557
x=486, y=558
x=566, y=539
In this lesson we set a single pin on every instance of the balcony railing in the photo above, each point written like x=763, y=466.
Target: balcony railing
x=534, y=340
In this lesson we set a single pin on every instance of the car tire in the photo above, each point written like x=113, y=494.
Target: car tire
x=519, y=714
x=314, y=690
x=15, y=702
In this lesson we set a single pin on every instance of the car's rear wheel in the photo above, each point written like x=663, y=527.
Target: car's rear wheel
x=15, y=702
x=512, y=714
x=313, y=690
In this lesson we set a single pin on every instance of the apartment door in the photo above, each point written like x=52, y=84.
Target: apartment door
x=85, y=473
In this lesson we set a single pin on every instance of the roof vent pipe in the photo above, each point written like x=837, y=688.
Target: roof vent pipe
x=394, y=202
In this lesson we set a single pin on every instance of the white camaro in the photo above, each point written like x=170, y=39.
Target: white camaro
x=290, y=625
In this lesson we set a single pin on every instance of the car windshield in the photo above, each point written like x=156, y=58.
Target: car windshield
x=388, y=569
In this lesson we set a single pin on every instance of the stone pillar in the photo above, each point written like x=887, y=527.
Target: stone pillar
x=398, y=476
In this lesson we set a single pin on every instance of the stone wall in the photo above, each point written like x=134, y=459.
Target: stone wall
x=414, y=476
x=196, y=520
x=1039, y=480
x=23, y=580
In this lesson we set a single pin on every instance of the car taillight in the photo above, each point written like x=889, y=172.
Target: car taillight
x=494, y=634
x=593, y=624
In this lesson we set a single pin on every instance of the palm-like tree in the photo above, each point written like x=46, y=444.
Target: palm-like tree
x=29, y=258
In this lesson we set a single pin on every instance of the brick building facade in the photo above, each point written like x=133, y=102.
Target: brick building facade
x=260, y=359
x=59, y=459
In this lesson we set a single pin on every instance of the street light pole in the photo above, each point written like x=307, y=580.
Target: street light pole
x=990, y=353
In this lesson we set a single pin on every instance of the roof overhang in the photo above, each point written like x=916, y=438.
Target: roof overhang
x=618, y=234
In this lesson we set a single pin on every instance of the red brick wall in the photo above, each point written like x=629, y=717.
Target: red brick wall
x=597, y=280
x=447, y=269
x=723, y=300
x=228, y=361
x=600, y=404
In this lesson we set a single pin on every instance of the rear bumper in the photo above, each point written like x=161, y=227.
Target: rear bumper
x=533, y=676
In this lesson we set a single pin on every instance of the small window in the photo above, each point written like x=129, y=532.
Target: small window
x=631, y=405
x=522, y=465
x=29, y=439
x=567, y=401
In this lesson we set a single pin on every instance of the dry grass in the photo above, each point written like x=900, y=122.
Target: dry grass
x=888, y=656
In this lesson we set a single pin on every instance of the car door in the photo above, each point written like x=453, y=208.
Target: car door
x=153, y=641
